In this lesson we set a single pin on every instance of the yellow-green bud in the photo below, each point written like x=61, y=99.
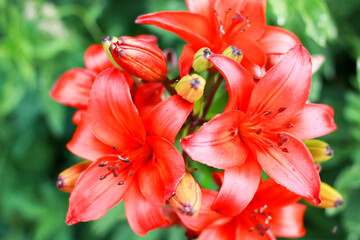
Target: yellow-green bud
x=234, y=53
x=106, y=44
x=330, y=198
x=187, y=198
x=191, y=88
x=201, y=62
x=320, y=150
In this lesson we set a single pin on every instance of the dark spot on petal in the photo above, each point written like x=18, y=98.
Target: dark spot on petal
x=268, y=112
x=281, y=109
x=103, y=164
x=285, y=150
x=259, y=131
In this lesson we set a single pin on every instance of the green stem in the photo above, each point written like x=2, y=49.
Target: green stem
x=169, y=88
x=211, y=97
x=175, y=80
x=193, y=124
x=195, y=121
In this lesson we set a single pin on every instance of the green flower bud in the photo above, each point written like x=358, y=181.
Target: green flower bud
x=191, y=88
x=330, y=198
x=234, y=53
x=201, y=62
x=319, y=150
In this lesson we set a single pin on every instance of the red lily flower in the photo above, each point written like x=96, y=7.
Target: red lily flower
x=73, y=87
x=263, y=124
x=218, y=24
x=133, y=159
x=273, y=212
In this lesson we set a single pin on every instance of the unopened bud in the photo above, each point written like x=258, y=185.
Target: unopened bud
x=320, y=150
x=187, y=197
x=67, y=178
x=148, y=38
x=139, y=58
x=330, y=198
x=106, y=44
x=191, y=88
x=201, y=62
x=234, y=53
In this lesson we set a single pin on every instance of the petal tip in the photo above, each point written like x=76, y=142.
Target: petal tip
x=140, y=19
x=316, y=200
x=70, y=220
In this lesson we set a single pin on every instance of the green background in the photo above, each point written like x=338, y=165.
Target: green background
x=39, y=40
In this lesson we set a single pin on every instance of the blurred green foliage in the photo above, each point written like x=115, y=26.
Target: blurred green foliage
x=39, y=40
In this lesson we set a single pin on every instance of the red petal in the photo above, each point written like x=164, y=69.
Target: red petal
x=218, y=177
x=315, y=120
x=186, y=60
x=128, y=78
x=255, y=10
x=240, y=82
x=73, y=88
x=217, y=143
x=206, y=217
x=288, y=221
x=76, y=119
x=85, y=145
x=170, y=215
x=96, y=59
x=223, y=8
x=147, y=96
x=244, y=232
x=141, y=214
x=277, y=40
x=293, y=169
x=112, y=116
x=256, y=71
x=148, y=38
x=160, y=176
x=268, y=194
x=192, y=28
x=202, y=7
x=223, y=232
x=272, y=60
x=286, y=85
x=251, y=49
x=166, y=119
x=238, y=189
x=92, y=197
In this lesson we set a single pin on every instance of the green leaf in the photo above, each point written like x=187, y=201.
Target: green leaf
x=112, y=218
x=352, y=213
x=358, y=72
x=318, y=21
